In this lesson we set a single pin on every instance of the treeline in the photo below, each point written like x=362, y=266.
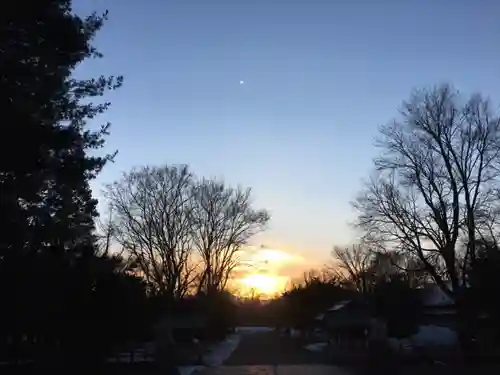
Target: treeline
x=390, y=284
x=353, y=273
x=183, y=234
x=65, y=302
x=71, y=294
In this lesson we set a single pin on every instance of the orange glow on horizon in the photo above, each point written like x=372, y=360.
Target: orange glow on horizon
x=266, y=272
x=268, y=285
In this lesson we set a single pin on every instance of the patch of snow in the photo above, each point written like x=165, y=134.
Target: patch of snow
x=339, y=305
x=221, y=351
x=430, y=335
x=435, y=296
x=427, y=336
x=217, y=354
x=316, y=347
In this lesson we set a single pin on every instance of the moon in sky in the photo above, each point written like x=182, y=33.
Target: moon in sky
x=242, y=82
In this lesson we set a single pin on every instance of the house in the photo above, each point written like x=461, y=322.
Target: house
x=438, y=324
x=351, y=328
x=347, y=320
x=438, y=308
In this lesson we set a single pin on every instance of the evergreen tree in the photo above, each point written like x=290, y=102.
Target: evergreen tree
x=45, y=166
x=47, y=248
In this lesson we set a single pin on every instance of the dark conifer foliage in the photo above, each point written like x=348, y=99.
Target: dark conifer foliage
x=60, y=297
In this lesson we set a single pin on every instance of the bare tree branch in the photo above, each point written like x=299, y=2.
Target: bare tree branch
x=437, y=181
x=183, y=234
x=105, y=233
x=152, y=222
x=224, y=221
x=355, y=261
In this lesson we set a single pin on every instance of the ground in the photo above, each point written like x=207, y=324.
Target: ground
x=277, y=370
x=268, y=348
x=265, y=353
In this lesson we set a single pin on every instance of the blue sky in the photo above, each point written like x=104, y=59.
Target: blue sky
x=320, y=77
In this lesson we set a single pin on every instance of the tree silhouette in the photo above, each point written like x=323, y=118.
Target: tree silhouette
x=52, y=279
x=398, y=303
x=299, y=305
x=223, y=221
x=436, y=183
x=353, y=264
x=480, y=298
x=184, y=234
x=152, y=223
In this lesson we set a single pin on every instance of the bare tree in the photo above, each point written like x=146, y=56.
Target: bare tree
x=105, y=233
x=386, y=265
x=324, y=275
x=355, y=262
x=410, y=267
x=436, y=184
x=152, y=222
x=224, y=220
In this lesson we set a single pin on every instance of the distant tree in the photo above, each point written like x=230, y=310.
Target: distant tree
x=223, y=222
x=437, y=183
x=398, y=304
x=184, y=234
x=354, y=264
x=152, y=222
x=299, y=305
x=323, y=275
x=105, y=233
x=385, y=265
x=252, y=294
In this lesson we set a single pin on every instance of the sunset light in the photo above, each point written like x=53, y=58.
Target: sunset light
x=272, y=256
x=232, y=233
x=266, y=273
x=264, y=284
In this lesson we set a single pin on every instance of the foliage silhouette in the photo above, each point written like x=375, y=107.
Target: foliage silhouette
x=398, y=304
x=436, y=184
x=61, y=299
x=184, y=234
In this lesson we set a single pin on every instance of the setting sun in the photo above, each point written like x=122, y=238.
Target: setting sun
x=264, y=284
x=265, y=273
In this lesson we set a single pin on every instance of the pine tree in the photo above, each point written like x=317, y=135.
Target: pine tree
x=47, y=211
x=45, y=167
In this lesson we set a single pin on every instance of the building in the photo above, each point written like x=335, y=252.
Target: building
x=347, y=321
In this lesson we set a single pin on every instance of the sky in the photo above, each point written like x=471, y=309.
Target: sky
x=319, y=78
